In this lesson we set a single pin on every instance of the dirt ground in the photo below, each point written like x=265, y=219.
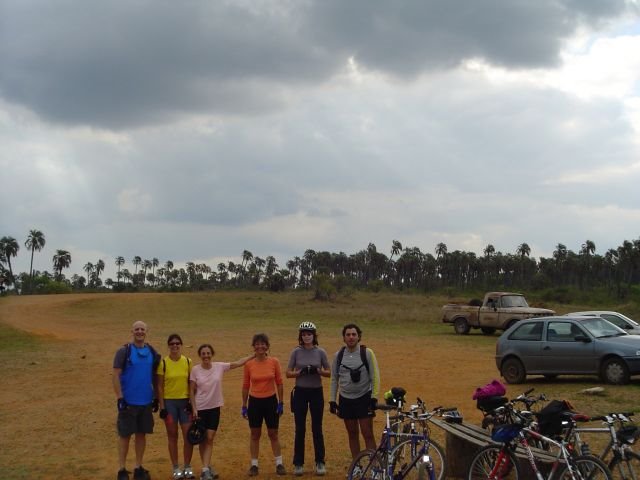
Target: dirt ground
x=58, y=411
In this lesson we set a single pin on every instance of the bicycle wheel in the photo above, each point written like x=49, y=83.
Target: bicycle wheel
x=494, y=462
x=366, y=466
x=403, y=454
x=625, y=469
x=586, y=467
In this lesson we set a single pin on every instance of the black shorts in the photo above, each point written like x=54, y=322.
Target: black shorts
x=135, y=419
x=210, y=418
x=259, y=409
x=355, y=408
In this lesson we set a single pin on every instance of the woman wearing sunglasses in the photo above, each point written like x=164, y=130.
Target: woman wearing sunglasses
x=175, y=409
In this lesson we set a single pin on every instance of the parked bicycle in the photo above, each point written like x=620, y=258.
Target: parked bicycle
x=402, y=453
x=498, y=462
x=623, y=462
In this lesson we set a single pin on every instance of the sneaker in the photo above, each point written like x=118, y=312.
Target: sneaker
x=253, y=471
x=141, y=474
x=123, y=474
x=178, y=474
x=280, y=470
x=356, y=472
x=298, y=470
x=214, y=474
x=206, y=475
x=321, y=470
x=187, y=473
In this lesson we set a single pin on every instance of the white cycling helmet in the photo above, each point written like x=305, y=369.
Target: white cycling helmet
x=307, y=326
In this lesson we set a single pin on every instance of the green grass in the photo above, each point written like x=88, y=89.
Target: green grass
x=201, y=316
x=13, y=340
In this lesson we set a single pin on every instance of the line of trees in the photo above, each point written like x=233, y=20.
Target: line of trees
x=405, y=268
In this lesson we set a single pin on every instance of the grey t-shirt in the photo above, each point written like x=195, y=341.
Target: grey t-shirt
x=341, y=379
x=301, y=357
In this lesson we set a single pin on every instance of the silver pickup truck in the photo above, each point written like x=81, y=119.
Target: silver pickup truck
x=499, y=310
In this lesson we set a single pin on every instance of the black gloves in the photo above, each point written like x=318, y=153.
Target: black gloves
x=155, y=405
x=373, y=403
x=333, y=408
x=122, y=405
x=163, y=413
x=309, y=370
x=188, y=408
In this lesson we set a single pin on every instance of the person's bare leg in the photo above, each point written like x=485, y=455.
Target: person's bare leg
x=366, y=427
x=123, y=450
x=353, y=431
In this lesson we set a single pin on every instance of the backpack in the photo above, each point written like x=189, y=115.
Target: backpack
x=127, y=357
x=492, y=389
x=363, y=357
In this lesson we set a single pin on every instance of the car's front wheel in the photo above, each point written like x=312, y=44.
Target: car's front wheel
x=615, y=371
x=513, y=371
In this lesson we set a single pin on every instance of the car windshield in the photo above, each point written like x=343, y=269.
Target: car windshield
x=510, y=301
x=618, y=319
x=600, y=328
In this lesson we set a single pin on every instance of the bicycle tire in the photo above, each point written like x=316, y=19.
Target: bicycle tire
x=588, y=467
x=402, y=455
x=484, y=464
x=366, y=466
x=625, y=469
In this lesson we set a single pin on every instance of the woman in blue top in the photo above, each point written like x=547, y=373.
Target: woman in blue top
x=307, y=364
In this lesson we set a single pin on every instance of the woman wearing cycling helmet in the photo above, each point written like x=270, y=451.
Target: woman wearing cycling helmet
x=307, y=364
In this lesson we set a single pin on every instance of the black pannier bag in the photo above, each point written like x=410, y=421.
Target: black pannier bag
x=488, y=404
x=550, y=418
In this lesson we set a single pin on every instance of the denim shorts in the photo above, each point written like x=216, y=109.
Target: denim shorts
x=176, y=408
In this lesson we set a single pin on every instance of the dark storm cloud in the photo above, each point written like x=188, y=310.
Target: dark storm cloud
x=121, y=63
x=406, y=38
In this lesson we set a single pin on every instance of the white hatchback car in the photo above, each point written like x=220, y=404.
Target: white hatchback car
x=618, y=319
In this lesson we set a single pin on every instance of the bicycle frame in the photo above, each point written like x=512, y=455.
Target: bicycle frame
x=562, y=452
x=385, y=450
x=615, y=446
x=562, y=456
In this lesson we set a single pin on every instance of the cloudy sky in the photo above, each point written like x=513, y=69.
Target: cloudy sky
x=193, y=130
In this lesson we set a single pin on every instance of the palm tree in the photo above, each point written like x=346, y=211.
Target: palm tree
x=396, y=248
x=119, y=263
x=62, y=259
x=9, y=247
x=99, y=266
x=588, y=248
x=126, y=274
x=441, y=257
x=137, y=260
x=88, y=267
x=523, y=250
x=154, y=263
x=35, y=241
